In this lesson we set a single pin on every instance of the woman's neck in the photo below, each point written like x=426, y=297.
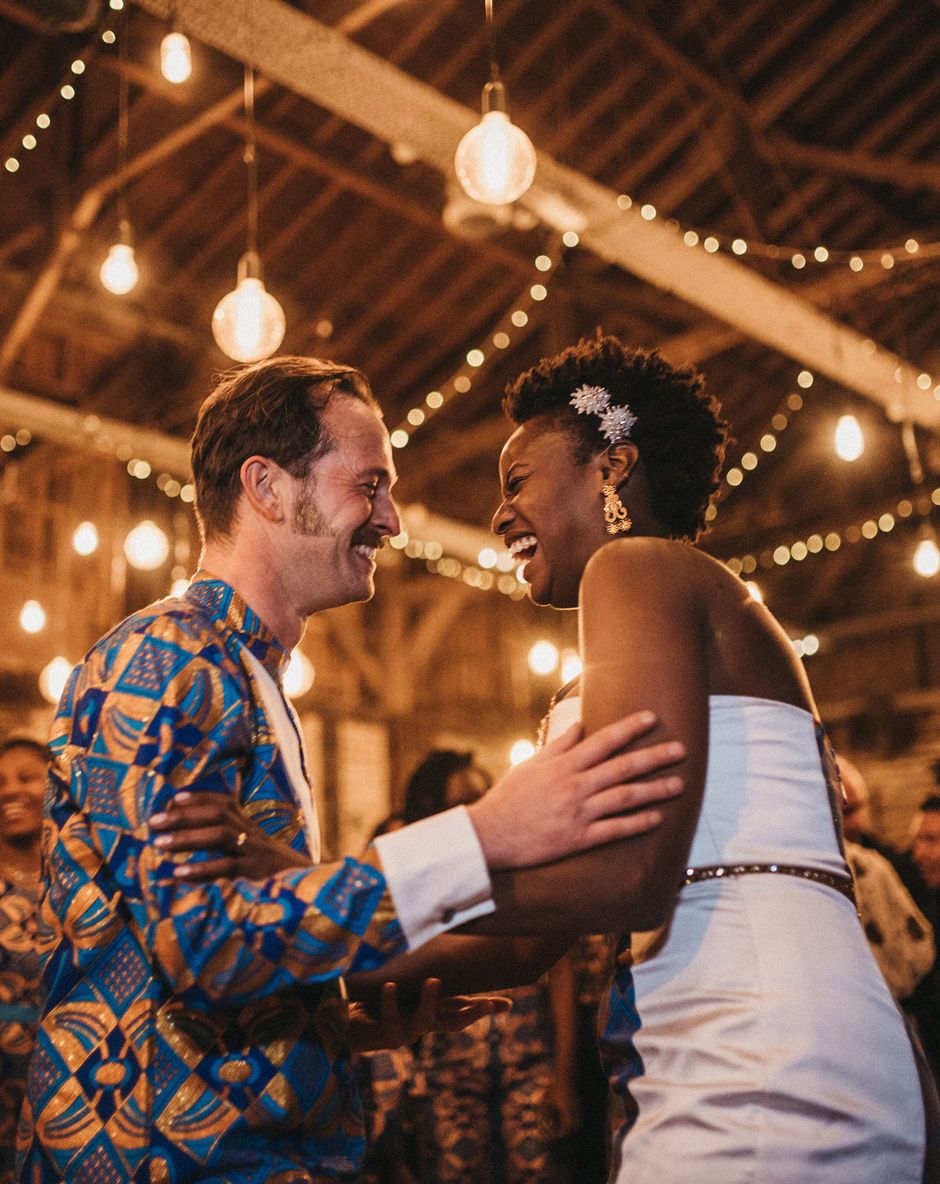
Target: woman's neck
x=19, y=858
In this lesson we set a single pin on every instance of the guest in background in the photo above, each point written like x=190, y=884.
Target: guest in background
x=491, y=1100
x=22, y=784
x=385, y=1081
x=920, y=870
x=900, y=936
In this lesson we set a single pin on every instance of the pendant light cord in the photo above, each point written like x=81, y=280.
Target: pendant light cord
x=491, y=40
x=250, y=155
x=123, y=123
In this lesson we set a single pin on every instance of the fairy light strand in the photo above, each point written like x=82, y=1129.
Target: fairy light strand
x=499, y=338
x=798, y=257
x=41, y=122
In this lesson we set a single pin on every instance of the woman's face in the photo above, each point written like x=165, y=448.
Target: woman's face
x=551, y=516
x=22, y=786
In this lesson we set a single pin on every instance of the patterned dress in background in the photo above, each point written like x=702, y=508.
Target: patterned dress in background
x=481, y=1094
x=19, y=1009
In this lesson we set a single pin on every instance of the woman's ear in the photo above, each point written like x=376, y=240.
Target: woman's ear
x=616, y=463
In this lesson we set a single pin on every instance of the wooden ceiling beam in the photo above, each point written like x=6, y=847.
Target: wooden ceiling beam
x=300, y=53
x=83, y=217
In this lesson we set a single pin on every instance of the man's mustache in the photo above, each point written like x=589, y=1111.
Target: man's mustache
x=367, y=537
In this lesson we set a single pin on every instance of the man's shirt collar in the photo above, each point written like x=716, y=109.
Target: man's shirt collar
x=229, y=611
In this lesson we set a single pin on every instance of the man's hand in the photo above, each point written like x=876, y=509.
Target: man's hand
x=576, y=794
x=394, y=1027
x=213, y=822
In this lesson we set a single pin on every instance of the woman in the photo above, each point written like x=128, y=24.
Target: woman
x=756, y=1040
x=22, y=784
x=490, y=1100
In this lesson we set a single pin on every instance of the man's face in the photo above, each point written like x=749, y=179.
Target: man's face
x=927, y=848
x=342, y=510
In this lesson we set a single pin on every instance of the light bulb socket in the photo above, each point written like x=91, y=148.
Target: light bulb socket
x=494, y=98
x=125, y=233
x=249, y=267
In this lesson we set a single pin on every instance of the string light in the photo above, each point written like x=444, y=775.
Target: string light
x=53, y=677
x=495, y=161
x=463, y=379
x=146, y=546
x=299, y=675
x=797, y=257
x=520, y=751
x=543, y=657
x=32, y=617
x=571, y=665
x=735, y=476
x=849, y=441
x=85, y=538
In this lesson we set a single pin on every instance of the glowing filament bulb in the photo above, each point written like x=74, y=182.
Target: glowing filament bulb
x=32, y=617
x=248, y=324
x=85, y=538
x=495, y=161
x=849, y=441
x=119, y=272
x=927, y=558
x=176, y=59
x=53, y=677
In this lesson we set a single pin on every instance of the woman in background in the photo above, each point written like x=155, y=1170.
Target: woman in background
x=22, y=786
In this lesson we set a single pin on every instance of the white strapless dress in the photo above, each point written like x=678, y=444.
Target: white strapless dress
x=758, y=1042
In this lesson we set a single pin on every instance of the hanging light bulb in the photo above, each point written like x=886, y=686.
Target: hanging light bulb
x=849, y=441
x=85, y=538
x=521, y=751
x=119, y=272
x=176, y=58
x=32, y=617
x=53, y=677
x=927, y=557
x=543, y=657
x=146, y=546
x=248, y=324
x=299, y=675
x=495, y=161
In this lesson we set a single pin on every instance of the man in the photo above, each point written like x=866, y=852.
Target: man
x=920, y=870
x=900, y=936
x=194, y=1029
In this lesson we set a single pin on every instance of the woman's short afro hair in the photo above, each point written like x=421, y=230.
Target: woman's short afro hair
x=679, y=431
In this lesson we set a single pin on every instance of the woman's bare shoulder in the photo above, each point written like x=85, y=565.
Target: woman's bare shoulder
x=635, y=559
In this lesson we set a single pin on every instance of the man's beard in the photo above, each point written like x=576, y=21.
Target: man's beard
x=307, y=518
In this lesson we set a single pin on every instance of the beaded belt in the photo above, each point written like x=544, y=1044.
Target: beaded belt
x=843, y=884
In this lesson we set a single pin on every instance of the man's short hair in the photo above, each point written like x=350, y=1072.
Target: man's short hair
x=273, y=409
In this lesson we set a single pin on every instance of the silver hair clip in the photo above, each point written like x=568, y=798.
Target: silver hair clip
x=615, y=422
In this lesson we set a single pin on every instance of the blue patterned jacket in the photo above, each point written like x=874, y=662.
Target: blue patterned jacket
x=192, y=1032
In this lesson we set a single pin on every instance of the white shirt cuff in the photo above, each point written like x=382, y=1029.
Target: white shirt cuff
x=436, y=873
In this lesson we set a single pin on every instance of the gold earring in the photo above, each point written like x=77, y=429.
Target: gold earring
x=615, y=512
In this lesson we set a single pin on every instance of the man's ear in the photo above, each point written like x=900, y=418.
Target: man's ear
x=616, y=463
x=262, y=482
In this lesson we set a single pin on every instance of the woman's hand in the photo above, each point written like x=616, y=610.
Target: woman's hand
x=394, y=1026
x=213, y=822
